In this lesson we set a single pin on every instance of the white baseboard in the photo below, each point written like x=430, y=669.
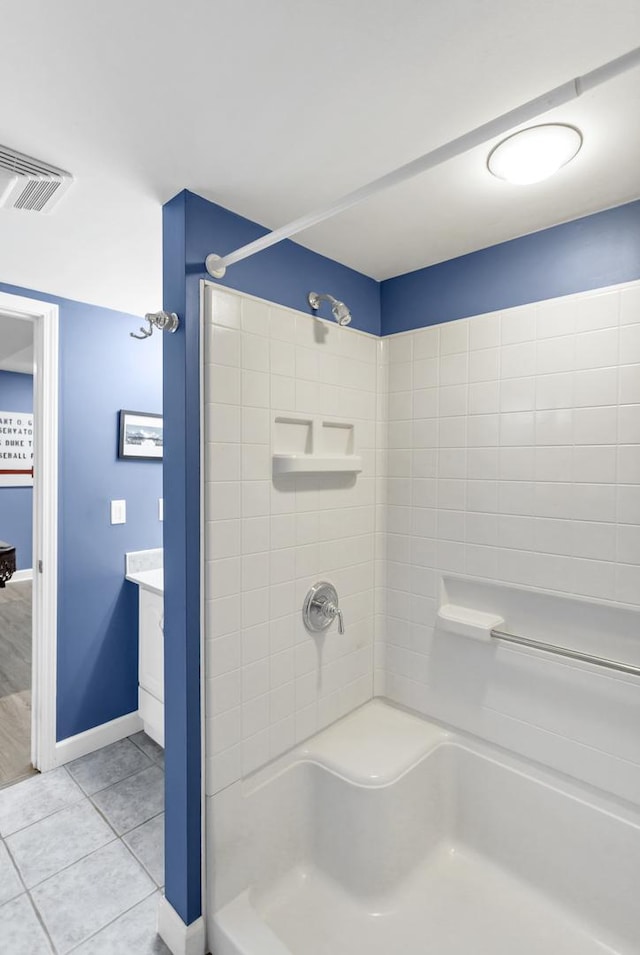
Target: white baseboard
x=179, y=938
x=22, y=575
x=96, y=738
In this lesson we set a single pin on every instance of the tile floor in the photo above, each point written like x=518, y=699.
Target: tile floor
x=82, y=855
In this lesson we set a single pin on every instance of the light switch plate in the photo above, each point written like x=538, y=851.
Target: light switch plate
x=160, y=508
x=118, y=512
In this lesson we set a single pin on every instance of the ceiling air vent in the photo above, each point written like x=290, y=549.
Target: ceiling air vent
x=27, y=183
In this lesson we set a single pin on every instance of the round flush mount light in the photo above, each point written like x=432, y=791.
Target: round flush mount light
x=534, y=154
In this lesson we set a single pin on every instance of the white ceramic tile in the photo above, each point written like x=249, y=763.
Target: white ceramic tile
x=425, y=373
x=555, y=355
x=629, y=384
x=595, y=388
x=223, y=577
x=556, y=317
x=629, y=504
x=518, y=394
x=595, y=425
x=426, y=343
x=222, y=423
x=630, y=305
x=484, y=331
x=554, y=391
x=223, y=539
x=484, y=365
x=597, y=349
x=225, y=346
x=484, y=397
x=226, y=309
x=628, y=549
x=597, y=311
x=255, y=353
x=517, y=428
x=594, y=464
x=630, y=344
x=627, y=586
x=518, y=361
x=223, y=462
x=629, y=424
x=553, y=463
x=255, y=316
x=518, y=325
x=454, y=337
x=452, y=400
x=453, y=370
x=222, y=500
x=255, y=389
x=401, y=347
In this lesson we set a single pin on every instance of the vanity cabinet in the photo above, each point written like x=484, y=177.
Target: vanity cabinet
x=151, y=664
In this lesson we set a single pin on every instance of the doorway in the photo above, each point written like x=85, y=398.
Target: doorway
x=16, y=546
x=28, y=602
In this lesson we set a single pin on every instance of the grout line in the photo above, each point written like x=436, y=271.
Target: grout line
x=109, y=924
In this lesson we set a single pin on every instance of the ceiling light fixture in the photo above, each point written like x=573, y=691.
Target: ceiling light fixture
x=534, y=154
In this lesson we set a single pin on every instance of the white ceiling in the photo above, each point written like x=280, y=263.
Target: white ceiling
x=16, y=344
x=274, y=108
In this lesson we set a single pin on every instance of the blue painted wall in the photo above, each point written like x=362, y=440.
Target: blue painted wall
x=102, y=370
x=285, y=273
x=599, y=250
x=16, y=503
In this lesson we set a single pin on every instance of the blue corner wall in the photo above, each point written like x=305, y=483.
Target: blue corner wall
x=102, y=370
x=192, y=228
x=285, y=273
x=593, y=252
x=16, y=503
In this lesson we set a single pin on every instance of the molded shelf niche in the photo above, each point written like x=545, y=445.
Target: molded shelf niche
x=314, y=445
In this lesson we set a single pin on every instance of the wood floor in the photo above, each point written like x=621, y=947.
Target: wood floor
x=15, y=681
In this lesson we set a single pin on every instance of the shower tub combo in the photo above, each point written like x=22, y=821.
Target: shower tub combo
x=387, y=833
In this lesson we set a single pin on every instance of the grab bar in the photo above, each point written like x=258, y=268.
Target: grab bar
x=566, y=652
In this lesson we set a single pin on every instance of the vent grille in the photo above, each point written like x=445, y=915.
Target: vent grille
x=29, y=184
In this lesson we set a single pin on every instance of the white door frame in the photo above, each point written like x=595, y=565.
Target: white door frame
x=45, y=319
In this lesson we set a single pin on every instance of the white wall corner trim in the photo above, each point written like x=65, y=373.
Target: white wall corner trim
x=45, y=319
x=88, y=742
x=181, y=939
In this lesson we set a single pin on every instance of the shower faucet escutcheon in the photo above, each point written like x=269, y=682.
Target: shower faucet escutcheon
x=321, y=608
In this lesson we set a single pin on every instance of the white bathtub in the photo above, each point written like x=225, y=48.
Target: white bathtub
x=386, y=834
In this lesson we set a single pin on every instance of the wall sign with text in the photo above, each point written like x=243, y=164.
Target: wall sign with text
x=16, y=449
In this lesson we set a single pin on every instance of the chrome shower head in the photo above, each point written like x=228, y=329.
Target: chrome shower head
x=339, y=310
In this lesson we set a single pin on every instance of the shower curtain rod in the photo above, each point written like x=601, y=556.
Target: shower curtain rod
x=216, y=265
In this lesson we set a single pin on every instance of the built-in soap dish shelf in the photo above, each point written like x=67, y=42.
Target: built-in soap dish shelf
x=314, y=445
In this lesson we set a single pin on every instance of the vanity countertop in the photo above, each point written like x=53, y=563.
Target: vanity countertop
x=152, y=580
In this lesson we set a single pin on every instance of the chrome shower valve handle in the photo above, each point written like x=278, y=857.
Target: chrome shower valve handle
x=321, y=608
x=332, y=610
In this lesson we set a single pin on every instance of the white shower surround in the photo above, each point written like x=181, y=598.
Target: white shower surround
x=269, y=684
x=501, y=456
x=388, y=834
x=479, y=437
x=513, y=464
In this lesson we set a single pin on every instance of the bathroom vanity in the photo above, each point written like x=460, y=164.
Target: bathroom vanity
x=150, y=646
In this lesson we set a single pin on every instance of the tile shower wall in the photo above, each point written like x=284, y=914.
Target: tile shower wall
x=269, y=684
x=513, y=455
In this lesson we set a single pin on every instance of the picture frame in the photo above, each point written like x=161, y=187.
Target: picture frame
x=141, y=436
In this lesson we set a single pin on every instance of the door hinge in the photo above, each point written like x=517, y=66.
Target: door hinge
x=39, y=566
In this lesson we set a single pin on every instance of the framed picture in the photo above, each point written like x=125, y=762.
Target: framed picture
x=141, y=436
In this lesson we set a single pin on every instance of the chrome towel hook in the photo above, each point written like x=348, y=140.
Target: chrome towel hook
x=165, y=321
